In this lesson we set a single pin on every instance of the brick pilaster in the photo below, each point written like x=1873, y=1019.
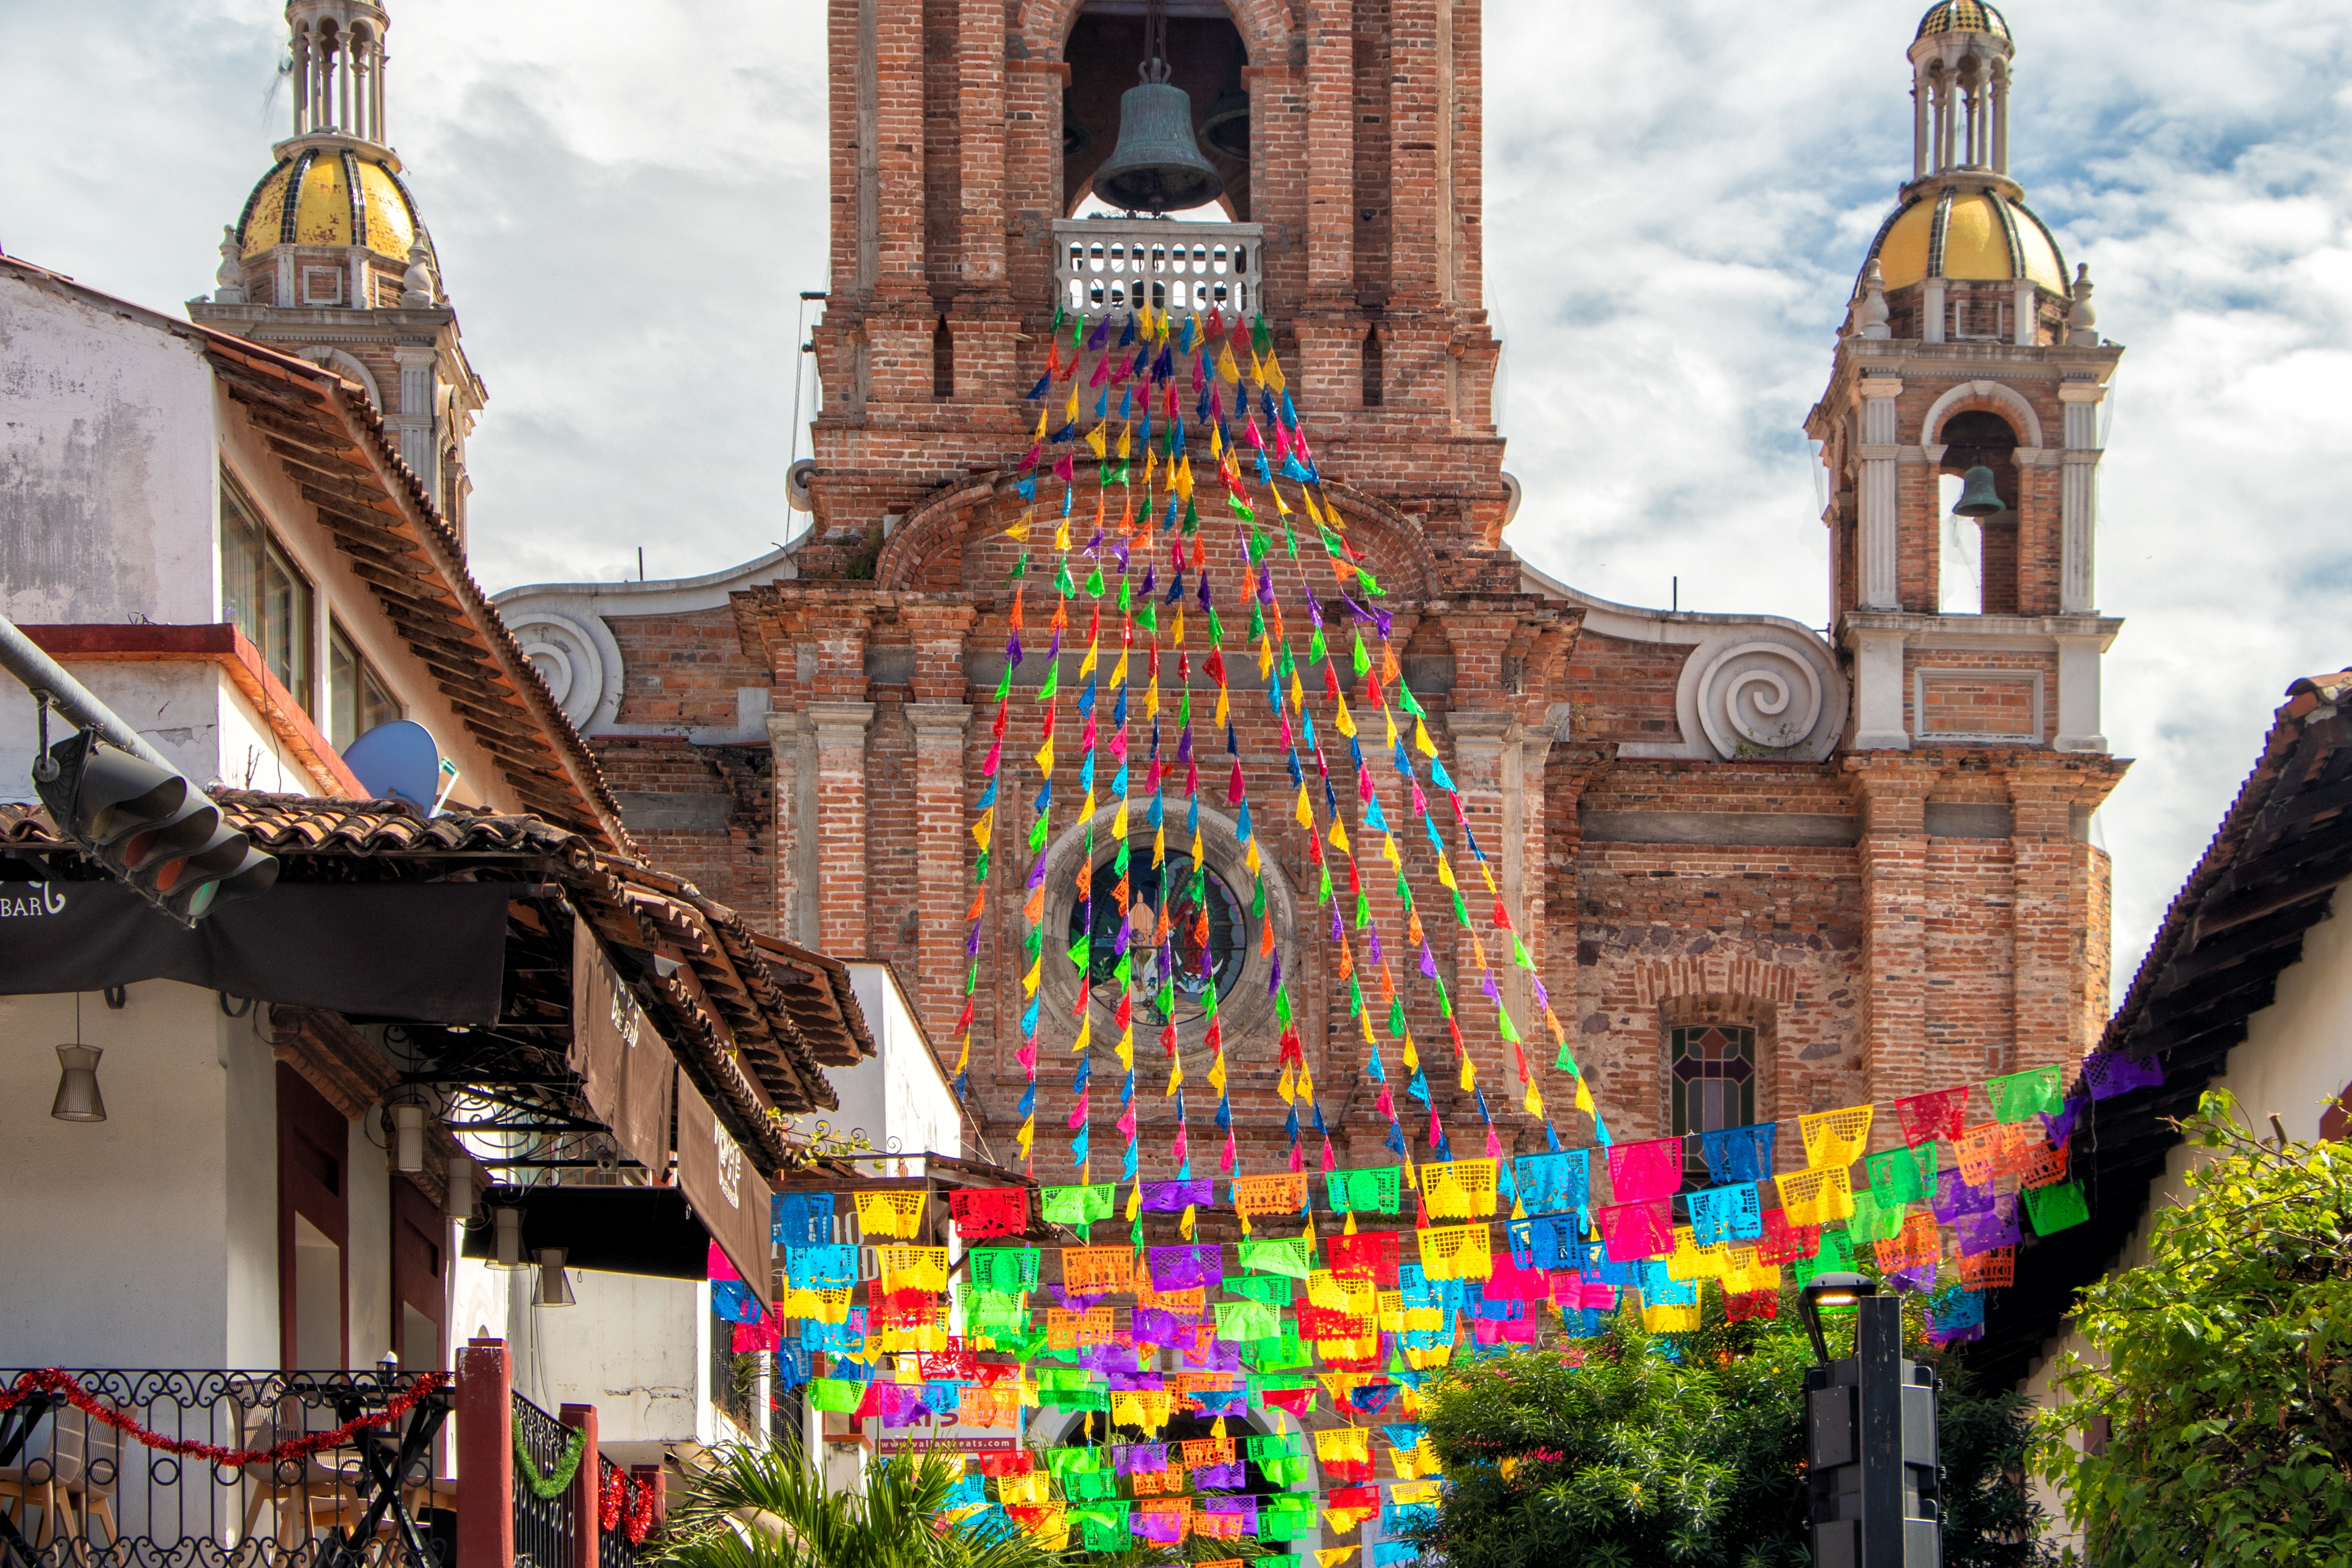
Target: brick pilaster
x=1891, y=796
x=2060, y=909
x=840, y=826
x=898, y=155
x=943, y=855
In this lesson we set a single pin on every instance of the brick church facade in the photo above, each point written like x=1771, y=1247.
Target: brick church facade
x=1760, y=872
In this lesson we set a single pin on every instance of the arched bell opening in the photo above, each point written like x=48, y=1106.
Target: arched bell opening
x=1976, y=485
x=1206, y=55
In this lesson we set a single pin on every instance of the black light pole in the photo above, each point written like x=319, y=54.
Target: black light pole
x=1870, y=1437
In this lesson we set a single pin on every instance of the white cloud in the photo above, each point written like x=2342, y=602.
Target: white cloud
x=627, y=199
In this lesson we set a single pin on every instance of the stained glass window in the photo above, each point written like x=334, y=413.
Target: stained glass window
x=1711, y=1081
x=1222, y=936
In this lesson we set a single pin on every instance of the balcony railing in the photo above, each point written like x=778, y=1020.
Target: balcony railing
x=546, y=1522
x=1106, y=266
x=223, y=1469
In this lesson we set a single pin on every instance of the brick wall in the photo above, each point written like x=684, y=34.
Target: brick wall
x=1905, y=959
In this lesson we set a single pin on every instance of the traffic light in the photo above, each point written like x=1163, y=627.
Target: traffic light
x=1870, y=1449
x=150, y=827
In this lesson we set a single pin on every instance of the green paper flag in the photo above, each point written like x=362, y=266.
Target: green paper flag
x=2056, y=1208
x=1902, y=1176
x=2022, y=1094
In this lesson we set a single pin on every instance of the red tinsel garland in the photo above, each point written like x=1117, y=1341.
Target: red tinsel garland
x=619, y=1494
x=53, y=1380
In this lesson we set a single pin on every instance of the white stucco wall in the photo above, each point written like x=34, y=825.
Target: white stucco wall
x=150, y=1238
x=636, y=1347
x=900, y=1094
x=114, y=434
x=106, y=464
x=367, y=1259
x=2296, y=1057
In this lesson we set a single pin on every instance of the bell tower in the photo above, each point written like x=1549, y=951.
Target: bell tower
x=1345, y=144
x=1966, y=355
x=329, y=258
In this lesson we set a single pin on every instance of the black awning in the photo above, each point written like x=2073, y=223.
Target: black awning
x=613, y=1230
x=432, y=952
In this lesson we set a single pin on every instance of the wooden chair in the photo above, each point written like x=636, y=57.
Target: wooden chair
x=72, y=1483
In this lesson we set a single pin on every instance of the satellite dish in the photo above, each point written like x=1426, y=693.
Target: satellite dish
x=399, y=761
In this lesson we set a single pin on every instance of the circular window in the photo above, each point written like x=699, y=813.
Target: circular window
x=1206, y=921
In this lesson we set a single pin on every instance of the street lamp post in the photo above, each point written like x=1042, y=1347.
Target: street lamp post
x=1870, y=1437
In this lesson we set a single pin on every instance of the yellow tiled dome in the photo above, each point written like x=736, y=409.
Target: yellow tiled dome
x=329, y=196
x=1973, y=234
x=1962, y=17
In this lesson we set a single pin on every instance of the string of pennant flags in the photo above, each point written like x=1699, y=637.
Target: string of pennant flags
x=1434, y=1256
x=1278, y=1324
x=1162, y=350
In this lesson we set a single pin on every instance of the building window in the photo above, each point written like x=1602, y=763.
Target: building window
x=1216, y=925
x=357, y=698
x=734, y=1379
x=1711, y=1084
x=264, y=596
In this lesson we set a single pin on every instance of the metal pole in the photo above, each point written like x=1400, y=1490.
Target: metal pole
x=1878, y=1346
x=43, y=675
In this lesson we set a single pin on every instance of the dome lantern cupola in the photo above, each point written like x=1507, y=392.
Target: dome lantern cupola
x=329, y=259
x=1959, y=91
x=337, y=61
x=1962, y=257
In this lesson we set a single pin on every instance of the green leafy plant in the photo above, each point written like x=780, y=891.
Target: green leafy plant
x=1691, y=1451
x=767, y=1508
x=2220, y=1371
x=1991, y=1518
x=1631, y=1457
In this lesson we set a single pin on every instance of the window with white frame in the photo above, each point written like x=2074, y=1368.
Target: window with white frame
x=357, y=698
x=263, y=595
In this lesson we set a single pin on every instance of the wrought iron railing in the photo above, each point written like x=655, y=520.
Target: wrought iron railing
x=546, y=1531
x=1106, y=265
x=222, y=1469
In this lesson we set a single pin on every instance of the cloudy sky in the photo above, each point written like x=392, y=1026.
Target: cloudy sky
x=628, y=199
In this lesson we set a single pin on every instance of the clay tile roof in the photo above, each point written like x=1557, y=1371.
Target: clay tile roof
x=760, y=1019
x=337, y=452
x=2270, y=873
x=293, y=824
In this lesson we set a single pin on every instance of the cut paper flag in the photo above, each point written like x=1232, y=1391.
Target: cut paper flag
x=2023, y=1094
x=1727, y=1214
x=1638, y=1230
x=981, y=1214
x=1554, y=1183
x=1073, y=1205
x=1902, y=1176
x=2109, y=1074
x=1374, y=1191
x=1817, y=1196
x=2056, y=1208
x=1835, y=1137
x=897, y=1214
x=1928, y=1117
x=1739, y=1154
x=1455, y=1252
x=1459, y=1189
x=1642, y=1172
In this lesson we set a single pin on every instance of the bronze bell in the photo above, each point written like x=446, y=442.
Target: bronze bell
x=1977, y=497
x=1226, y=127
x=1157, y=166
